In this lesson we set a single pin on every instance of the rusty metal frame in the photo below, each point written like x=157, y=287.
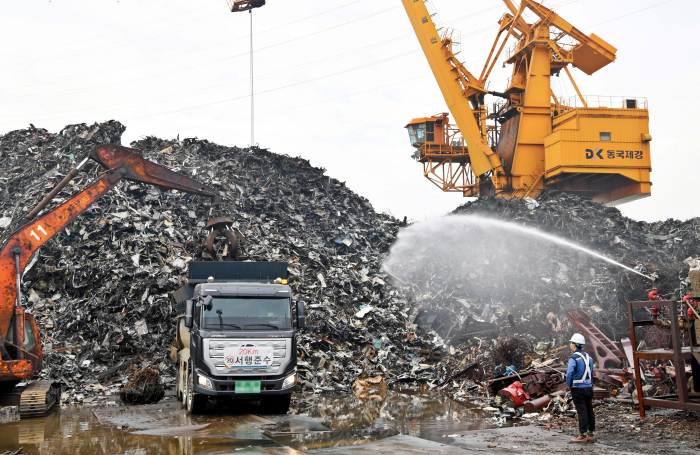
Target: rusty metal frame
x=678, y=354
x=604, y=348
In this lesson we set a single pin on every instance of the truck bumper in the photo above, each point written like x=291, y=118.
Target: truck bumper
x=227, y=387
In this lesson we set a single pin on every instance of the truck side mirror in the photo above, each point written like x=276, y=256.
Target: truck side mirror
x=301, y=317
x=206, y=302
x=189, y=310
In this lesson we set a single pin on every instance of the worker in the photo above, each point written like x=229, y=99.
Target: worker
x=579, y=377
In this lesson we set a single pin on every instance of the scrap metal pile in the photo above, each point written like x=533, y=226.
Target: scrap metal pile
x=508, y=321
x=101, y=288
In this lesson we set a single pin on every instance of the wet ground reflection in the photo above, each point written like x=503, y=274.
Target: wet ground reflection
x=317, y=421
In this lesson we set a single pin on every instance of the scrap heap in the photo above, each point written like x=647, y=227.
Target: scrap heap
x=101, y=288
x=508, y=320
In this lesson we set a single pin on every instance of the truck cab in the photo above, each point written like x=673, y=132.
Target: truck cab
x=236, y=334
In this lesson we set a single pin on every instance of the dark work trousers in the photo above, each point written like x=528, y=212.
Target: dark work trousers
x=583, y=401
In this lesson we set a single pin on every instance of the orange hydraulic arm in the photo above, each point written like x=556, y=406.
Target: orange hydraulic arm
x=122, y=163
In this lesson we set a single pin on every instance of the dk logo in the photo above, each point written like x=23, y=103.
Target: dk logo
x=594, y=154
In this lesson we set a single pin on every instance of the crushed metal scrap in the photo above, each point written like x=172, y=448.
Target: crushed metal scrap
x=101, y=289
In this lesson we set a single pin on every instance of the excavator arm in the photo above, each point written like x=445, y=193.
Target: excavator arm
x=121, y=163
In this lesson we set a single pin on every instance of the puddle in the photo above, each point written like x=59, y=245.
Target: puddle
x=317, y=422
x=427, y=416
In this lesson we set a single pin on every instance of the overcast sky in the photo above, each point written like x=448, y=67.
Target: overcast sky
x=335, y=81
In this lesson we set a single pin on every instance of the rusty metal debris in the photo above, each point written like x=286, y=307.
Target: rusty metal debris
x=368, y=388
x=144, y=388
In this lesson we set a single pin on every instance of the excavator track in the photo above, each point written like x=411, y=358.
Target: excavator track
x=38, y=398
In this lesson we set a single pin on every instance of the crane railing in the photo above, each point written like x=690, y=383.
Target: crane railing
x=612, y=102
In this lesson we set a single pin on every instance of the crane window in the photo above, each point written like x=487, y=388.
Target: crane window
x=417, y=133
x=605, y=137
x=430, y=132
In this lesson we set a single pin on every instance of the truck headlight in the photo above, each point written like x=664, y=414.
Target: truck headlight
x=204, y=381
x=290, y=380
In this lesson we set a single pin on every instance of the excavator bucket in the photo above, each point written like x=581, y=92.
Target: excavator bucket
x=222, y=226
x=133, y=166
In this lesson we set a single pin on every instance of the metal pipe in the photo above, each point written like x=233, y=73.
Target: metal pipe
x=49, y=197
x=536, y=405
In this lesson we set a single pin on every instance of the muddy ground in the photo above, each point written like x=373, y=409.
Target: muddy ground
x=406, y=422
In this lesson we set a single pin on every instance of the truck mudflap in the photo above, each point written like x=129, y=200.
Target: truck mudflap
x=227, y=387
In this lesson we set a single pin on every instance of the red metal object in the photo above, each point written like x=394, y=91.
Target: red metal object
x=536, y=405
x=654, y=294
x=605, y=350
x=516, y=393
x=122, y=163
x=655, y=311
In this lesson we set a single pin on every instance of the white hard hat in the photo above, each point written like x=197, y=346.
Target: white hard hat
x=578, y=339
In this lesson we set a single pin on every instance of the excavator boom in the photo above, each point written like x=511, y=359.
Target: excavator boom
x=20, y=247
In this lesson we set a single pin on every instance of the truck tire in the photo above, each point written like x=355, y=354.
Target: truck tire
x=195, y=402
x=276, y=404
x=178, y=382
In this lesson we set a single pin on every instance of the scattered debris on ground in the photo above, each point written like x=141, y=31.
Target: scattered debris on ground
x=144, y=388
x=366, y=388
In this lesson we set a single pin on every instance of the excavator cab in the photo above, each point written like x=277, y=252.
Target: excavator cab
x=21, y=356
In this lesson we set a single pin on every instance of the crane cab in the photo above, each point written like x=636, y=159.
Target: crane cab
x=434, y=135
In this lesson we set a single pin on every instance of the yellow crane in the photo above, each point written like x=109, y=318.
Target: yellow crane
x=530, y=140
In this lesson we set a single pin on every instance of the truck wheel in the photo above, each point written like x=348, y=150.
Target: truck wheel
x=195, y=401
x=276, y=404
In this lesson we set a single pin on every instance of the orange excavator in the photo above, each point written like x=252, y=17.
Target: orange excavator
x=20, y=345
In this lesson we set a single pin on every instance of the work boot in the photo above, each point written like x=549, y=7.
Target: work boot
x=590, y=438
x=580, y=438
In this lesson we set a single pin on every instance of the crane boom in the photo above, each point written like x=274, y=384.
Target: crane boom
x=457, y=85
x=536, y=142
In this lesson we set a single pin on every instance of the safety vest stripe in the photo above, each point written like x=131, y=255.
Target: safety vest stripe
x=586, y=378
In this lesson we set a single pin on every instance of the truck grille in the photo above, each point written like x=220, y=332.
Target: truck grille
x=216, y=356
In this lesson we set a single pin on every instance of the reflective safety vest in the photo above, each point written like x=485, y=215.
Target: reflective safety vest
x=586, y=378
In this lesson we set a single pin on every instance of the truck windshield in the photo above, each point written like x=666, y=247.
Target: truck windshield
x=247, y=313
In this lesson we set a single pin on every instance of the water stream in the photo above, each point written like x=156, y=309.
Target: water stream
x=464, y=234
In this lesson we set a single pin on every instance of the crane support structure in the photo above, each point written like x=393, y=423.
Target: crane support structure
x=457, y=85
x=597, y=147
